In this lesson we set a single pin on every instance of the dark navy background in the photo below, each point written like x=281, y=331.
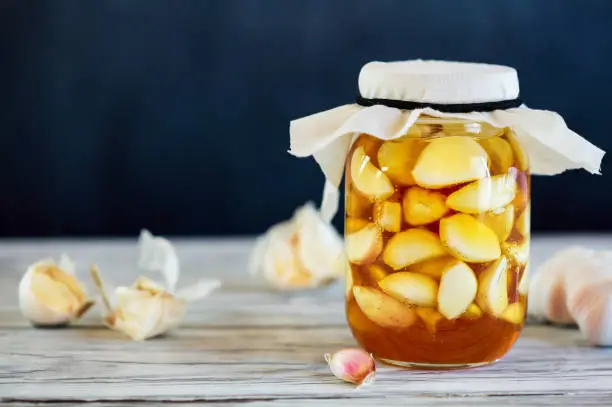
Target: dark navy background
x=173, y=115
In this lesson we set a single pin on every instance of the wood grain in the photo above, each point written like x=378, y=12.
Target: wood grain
x=250, y=346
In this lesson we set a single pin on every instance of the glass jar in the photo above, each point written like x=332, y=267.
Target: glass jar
x=437, y=236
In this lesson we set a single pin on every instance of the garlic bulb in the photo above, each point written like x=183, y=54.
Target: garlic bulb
x=50, y=294
x=575, y=286
x=147, y=308
x=547, y=287
x=303, y=252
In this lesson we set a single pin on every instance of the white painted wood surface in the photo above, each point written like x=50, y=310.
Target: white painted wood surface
x=246, y=345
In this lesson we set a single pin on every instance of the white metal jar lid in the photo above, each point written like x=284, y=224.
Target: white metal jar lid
x=441, y=82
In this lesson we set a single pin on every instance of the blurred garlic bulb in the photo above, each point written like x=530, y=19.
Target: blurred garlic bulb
x=575, y=286
x=547, y=287
x=50, y=294
x=147, y=308
x=303, y=252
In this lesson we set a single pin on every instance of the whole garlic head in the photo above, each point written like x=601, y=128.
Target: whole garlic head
x=50, y=294
x=303, y=252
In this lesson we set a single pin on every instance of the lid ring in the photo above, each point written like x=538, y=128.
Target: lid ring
x=442, y=107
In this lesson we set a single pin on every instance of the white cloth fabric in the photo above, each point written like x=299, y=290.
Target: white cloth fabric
x=327, y=136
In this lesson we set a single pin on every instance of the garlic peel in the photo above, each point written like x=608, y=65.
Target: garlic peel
x=302, y=252
x=50, y=294
x=148, y=308
x=158, y=254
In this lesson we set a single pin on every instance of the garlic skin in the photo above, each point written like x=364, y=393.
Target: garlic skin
x=303, y=252
x=148, y=308
x=352, y=365
x=50, y=294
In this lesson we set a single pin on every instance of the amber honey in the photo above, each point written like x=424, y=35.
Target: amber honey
x=437, y=235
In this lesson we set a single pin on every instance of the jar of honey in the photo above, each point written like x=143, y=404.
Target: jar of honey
x=437, y=158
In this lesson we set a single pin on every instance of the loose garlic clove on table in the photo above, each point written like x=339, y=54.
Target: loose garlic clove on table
x=50, y=294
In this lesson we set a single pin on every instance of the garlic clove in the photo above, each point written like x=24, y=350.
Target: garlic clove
x=411, y=288
x=352, y=365
x=357, y=206
x=368, y=179
x=451, y=160
x=422, y=206
x=514, y=313
x=364, y=246
x=382, y=309
x=412, y=246
x=523, y=222
x=352, y=225
x=468, y=239
x=492, y=287
x=500, y=152
x=484, y=195
x=500, y=221
x=458, y=287
x=51, y=295
x=388, y=215
x=518, y=252
x=523, y=286
x=397, y=159
x=473, y=311
x=377, y=272
x=432, y=268
x=520, y=155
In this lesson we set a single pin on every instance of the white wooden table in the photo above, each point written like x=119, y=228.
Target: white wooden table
x=246, y=345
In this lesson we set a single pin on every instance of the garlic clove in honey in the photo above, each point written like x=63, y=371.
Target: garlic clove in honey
x=458, y=287
x=469, y=239
x=377, y=272
x=432, y=268
x=50, y=294
x=368, y=179
x=300, y=253
x=492, y=287
x=352, y=225
x=422, y=206
x=517, y=252
x=473, y=311
x=411, y=288
x=364, y=246
x=352, y=365
x=500, y=221
x=412, y=246
x=500, y=153
x=521, y=158
x=382, y=309
x=484, y=195
x=451, y=160
x=524, y=221
x=388, y=215
x=514, y=313
x=397, y=159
